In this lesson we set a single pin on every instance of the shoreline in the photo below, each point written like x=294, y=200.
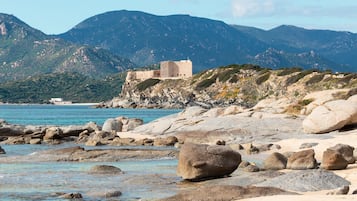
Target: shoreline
x=254, y=133
x=71, y=104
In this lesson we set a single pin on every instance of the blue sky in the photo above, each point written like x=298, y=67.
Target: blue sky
x=58, y=16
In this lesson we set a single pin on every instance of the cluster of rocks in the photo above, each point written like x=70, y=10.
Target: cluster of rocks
x=334, y=158
x=90, y=134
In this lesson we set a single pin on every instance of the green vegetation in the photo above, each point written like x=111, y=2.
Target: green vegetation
x=315, y=79
x=243, y=67
x=261, y=79
x=347, y=78
x=288, y=71
x=206, y=83
x=69, y=86
x=227, y=74
x=305, y=102
x=147, y=84
x=234, y=79
x=293, y=79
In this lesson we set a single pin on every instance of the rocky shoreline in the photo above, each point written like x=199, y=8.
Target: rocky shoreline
x=228, y=153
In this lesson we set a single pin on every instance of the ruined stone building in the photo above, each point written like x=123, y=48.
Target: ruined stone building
x=181, y=69
x=168, y=70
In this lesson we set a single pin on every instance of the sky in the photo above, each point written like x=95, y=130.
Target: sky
x=58, y=16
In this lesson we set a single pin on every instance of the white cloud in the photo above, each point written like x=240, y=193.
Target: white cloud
x=243, y=8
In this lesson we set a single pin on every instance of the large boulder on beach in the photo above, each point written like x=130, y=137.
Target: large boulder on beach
x=200, y=161
x=302, y=160
x=346, y=151
x=333, y=160
x=331, y=116
x=276, y=161
x=112, y=125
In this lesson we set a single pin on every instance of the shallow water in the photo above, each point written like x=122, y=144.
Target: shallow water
x=142, y=179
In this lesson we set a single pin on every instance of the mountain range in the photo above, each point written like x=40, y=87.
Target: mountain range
x=25, y=52
x=116, y=41
x=146, y=39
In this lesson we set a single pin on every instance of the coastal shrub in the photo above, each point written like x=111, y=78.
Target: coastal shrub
x=261, y=79
x=305, y=102
x=147, y=84
x=315, y=79
x=206, y=83
x=295, y=78
x=234, y=79
x=252, y=67
x=288, y=71
x=296, y=108
x=347, y=78
x=227, y=74
x=243, y=66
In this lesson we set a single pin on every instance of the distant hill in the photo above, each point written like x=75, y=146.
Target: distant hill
x=25, y=52
x=338, y=49
x=75, y=87
x=148, y=39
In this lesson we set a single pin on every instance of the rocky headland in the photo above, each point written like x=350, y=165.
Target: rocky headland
x=243, y=85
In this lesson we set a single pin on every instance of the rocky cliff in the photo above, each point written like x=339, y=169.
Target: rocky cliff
x=243, y=85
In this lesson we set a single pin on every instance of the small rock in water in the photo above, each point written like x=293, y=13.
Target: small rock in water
x=72, y=196
x=105, y=169
x=2, y=151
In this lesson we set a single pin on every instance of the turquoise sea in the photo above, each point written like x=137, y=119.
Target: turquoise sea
x=143, y=179
x=73, y=114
